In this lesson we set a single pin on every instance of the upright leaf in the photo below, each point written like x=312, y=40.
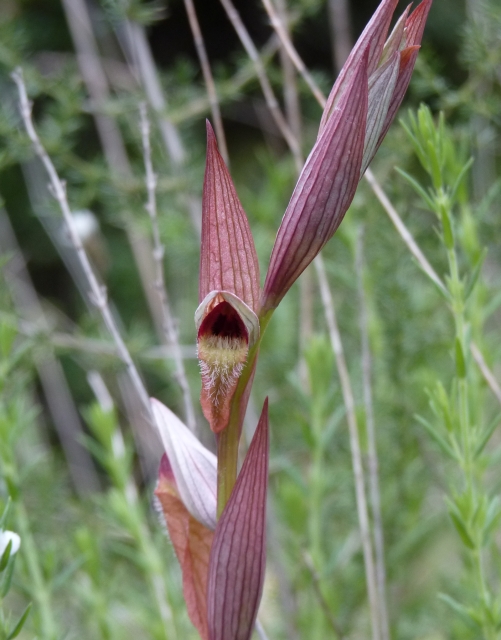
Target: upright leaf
x=237, y=560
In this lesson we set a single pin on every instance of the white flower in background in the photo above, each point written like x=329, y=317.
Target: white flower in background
x=5, y=538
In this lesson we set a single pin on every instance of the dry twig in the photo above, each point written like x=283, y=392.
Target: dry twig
x=158, y=254
x=494, y=385
x=209, y=80
x=358, y=472
x=373, y=465
x=97, y=292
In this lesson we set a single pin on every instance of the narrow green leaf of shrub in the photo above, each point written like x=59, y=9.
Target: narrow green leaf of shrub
x=460, y=364
x=5, y=556
x=445, y=219
x=435, y=166
x=5, y=514
x=475, y=274
x=442, y=443
x=18, y=628
x=487, y=435
x=466, y=614
x=492, y=518
x=460, y=177
x=417, y=188
x=7, y=578
x=460, y=525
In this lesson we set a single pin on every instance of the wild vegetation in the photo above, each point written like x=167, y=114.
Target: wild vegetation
x=392, y=340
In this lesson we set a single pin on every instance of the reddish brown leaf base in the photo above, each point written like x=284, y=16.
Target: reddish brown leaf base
x=192, y=543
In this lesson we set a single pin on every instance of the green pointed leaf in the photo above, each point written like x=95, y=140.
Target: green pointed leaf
x=445, y=219
x=7, y=578
x=417, y=188
x=460, y=177
x=487, y=435
x=460, y=525
x=5, y=556
x=5, y=514
x=17, y=629
x=466, y=614
x=442, y=443
x=460, y=363
x=475, y=274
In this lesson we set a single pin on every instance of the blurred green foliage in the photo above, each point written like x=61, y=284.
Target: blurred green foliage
x=99, y=566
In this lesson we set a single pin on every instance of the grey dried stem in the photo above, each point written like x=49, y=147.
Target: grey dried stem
x=372, y=457
x=269, y=95
x=208, y=79
x=489, y=377
x=340, y=24
x=115, y=153
x=293, y=114
x=356, y=454
x=142, y=64
x=158, y=255
x=97, y=292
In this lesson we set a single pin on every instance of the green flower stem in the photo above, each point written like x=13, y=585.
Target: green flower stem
x=228, y=440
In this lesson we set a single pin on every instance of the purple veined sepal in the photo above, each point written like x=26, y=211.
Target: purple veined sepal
x=226, y=329
x=226, y=320
x=371, y=44
x=238, y=553
x=228, y=258
x=324, y=190
x=194, y=467
x=358, y=113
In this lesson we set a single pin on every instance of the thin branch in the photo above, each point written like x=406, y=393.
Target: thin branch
x=169, y=326
x=494, y=385
x=291, y=94
x=260, y=631
x=369, y=176
x=208, y=78
x=405, y=234
x=373, y=464
x=227, y=88
x=97, y=291
x=266, y=87
x=96, y=82
x=141, y=61
x=308, y=561
x=356, y=454
x=282, y=33
x=339, y=17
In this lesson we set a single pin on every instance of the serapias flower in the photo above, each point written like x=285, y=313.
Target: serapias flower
x=226, y=320
x=357, y=116
x=223, y=570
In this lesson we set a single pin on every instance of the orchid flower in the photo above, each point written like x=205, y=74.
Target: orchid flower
x=223, y=570
x=357, y=116
x=215, y=519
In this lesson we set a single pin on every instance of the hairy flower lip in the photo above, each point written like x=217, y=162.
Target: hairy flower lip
x=244, y=312
x=226, y=329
